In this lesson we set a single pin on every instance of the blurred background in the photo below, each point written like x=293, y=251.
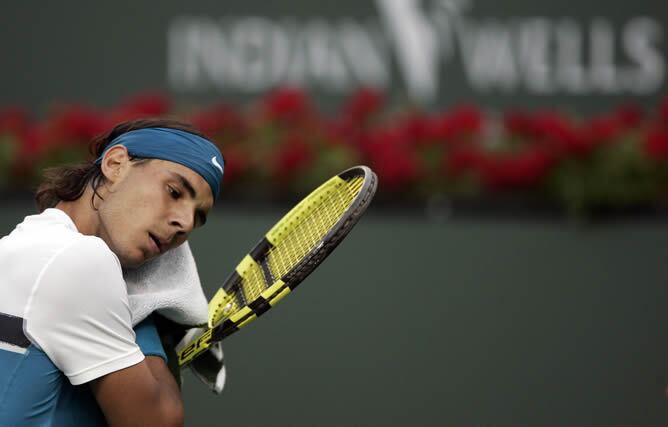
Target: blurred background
x=512, y=269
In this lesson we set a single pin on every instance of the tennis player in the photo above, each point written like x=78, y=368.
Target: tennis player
x=65, y=319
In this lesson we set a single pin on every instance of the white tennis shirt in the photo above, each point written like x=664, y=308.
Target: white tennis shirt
x=64, y=313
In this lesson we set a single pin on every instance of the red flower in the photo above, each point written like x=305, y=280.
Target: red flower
x=378, y=140
x=663, y=111
x=656, y=144
x=294, y=156
x=76, y=123
x=287, y=104
x=363, y=103
x=520, y=124
x=629, y=115
x=603, y=129
x=395, y=167
x=218, y=119
x=461, y=160
x=460, y=121
x=33, y=140
x=392, y=156
x=557, y=129
x=415, y=129
x=150, y=104
x=515, y=170
x=236, y=164
x=342, y=131
x=13, y=120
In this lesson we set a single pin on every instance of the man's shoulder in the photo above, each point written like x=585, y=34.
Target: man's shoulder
x=52, y=236
x=86, y=259
x=52, y=230
x=92, y=249
x=40, y=252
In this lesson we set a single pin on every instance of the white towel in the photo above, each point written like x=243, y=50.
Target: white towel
x=169, y=285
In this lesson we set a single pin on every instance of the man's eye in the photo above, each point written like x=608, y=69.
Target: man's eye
x=173, y=192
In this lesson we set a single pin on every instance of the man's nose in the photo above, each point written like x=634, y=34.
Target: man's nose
x=183, y=220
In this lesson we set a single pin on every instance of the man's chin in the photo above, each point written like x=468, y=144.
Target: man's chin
x=132, y=262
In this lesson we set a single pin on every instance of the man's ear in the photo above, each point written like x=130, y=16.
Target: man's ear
x=115, y=163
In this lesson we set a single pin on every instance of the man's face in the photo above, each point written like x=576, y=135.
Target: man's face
x=150, y=207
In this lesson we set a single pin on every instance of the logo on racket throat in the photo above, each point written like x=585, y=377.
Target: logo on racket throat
x=195, y=348
x=214, y=161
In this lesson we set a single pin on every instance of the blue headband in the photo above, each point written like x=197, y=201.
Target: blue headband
x=177, y=146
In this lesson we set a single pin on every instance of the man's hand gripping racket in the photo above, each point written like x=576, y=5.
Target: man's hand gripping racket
x=285, y=256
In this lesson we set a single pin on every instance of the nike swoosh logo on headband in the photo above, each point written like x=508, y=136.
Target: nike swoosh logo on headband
x=216, y=164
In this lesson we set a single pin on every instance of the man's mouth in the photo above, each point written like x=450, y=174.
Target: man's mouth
x=158, y=243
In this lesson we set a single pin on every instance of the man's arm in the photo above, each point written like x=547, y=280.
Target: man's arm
x=145, y=394
x=94, y=342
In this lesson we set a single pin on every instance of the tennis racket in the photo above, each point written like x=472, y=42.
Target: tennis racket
x=285, y=256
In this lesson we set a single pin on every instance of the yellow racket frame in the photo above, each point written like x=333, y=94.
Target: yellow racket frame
x=288, y=252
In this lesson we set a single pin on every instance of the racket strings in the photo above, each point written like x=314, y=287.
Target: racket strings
x=305, y=235
x=313, y=227
x=297, y=243
x=253, y=283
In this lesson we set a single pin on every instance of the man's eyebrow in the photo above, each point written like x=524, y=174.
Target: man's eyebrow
x=201, y=216
x=185, y=183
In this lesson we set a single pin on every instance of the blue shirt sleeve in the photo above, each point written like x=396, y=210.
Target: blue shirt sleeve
x=77, y=405
x=148, y=339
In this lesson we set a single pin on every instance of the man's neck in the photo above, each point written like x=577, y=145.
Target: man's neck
x=82, y=213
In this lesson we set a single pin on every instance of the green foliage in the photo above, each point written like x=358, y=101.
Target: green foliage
x=8, y=155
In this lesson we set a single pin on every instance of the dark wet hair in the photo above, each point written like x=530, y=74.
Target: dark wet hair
x=68, y=182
